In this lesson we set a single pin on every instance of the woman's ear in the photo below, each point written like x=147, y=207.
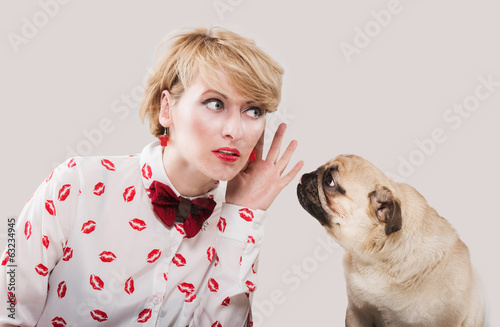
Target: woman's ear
x=165, y=116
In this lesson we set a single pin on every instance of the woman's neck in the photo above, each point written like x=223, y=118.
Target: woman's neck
x=187, y=181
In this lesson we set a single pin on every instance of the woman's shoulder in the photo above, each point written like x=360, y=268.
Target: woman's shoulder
x=118, y=165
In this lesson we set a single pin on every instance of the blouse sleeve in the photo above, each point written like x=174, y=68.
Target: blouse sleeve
x=229, y=287
x=36, y=244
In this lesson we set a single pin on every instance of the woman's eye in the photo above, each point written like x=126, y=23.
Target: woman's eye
x=213, y=104
x=254, y=112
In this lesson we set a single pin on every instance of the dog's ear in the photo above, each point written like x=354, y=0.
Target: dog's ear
x=386, y=209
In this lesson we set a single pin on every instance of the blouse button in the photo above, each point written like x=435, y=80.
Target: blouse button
x=157, y=300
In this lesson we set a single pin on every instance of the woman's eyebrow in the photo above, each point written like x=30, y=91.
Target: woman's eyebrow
x=214, y=91
x=249, y=102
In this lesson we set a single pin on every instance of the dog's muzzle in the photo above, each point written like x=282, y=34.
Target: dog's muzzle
x=307, y=192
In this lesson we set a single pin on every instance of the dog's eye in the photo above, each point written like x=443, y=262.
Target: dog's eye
x=329, y=181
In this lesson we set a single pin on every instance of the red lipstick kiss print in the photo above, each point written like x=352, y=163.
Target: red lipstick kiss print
x=27, y=229
x=107, y=256
x=153, y=255
x=179, y=260
x=96, y=282
x=68, y=254
x=129, y=286
x=61, y=289
x=144, y=316
x=221, y=225
x=146, y=171
x=180, y=229
x=49, y=206
x=216, y=324
x=210, y=254
x=186, y=288
x=108, y=164
x=88, y=227
x=226, y=301
x=250, y=285
x=246, y=214
x=45, y=241
x=190, y=297
x=64, y=192
x=71, y=163
x=129, y=194
x=99, y=189
x=137, y=224
x=99, y=315
x=42, y=270
x=213, y=286
x=58, y=322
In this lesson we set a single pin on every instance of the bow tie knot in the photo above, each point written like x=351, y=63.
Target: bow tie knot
x=170, y=208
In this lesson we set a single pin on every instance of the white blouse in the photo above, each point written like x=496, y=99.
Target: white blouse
x=88, y=250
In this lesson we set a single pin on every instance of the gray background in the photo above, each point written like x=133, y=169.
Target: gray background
x=79, y=67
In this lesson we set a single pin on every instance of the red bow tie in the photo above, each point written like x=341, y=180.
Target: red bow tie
x=169, y=206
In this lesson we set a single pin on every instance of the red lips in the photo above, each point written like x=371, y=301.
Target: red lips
x=61, y=289
x=129, y=194
x=88, y=227
x=210, y=254
x=129, y=286
x=188, y=290
x=71, y=163
x=226, y=301
x=49, y=206
x=42, y=270
x=58, y=322
x=137, y=224
x=144, y=316
x=99, y=315
x=107, y=256
x=179, y=260
x=221, y=225
x=99, y=189
x=64, y=192
x=96, y=282
x=250, y=286
x=246, y=214
x=108, y=164
x=153, y=255
x=68, y=254
x=227, y=154
x=146, y=171
x=27, y=229
x=213, y=286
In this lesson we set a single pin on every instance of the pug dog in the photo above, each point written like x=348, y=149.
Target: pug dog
x=404, y=265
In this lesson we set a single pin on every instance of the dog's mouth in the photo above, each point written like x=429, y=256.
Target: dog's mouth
x=307, y=193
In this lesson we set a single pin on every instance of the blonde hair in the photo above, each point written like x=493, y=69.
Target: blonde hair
x=210, y=51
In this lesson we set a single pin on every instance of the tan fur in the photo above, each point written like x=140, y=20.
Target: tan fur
x=420, y=275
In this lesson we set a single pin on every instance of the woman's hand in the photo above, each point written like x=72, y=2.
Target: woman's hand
x=260, y=182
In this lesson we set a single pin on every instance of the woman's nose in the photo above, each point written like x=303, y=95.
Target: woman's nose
x=232, y=126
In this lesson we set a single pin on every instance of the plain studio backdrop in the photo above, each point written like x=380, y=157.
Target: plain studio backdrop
x=413, y=86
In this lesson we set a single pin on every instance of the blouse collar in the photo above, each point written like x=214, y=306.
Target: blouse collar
x=152, y=169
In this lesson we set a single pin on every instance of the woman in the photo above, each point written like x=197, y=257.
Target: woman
x=159, y=238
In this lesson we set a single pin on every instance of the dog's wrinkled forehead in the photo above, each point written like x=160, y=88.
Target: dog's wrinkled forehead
x=351, y=170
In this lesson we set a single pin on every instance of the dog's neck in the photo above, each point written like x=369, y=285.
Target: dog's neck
x=417, y=246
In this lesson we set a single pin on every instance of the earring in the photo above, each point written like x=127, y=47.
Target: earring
x=253, y=155
x=164, y=138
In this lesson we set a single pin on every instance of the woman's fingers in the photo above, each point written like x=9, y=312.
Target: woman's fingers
x=275, y=148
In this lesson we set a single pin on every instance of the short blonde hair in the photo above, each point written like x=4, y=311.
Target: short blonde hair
x=209, y=51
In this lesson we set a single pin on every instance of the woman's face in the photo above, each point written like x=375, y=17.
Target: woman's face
x=213, y=133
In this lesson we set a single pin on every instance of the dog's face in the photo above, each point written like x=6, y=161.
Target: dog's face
x=353, y=200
